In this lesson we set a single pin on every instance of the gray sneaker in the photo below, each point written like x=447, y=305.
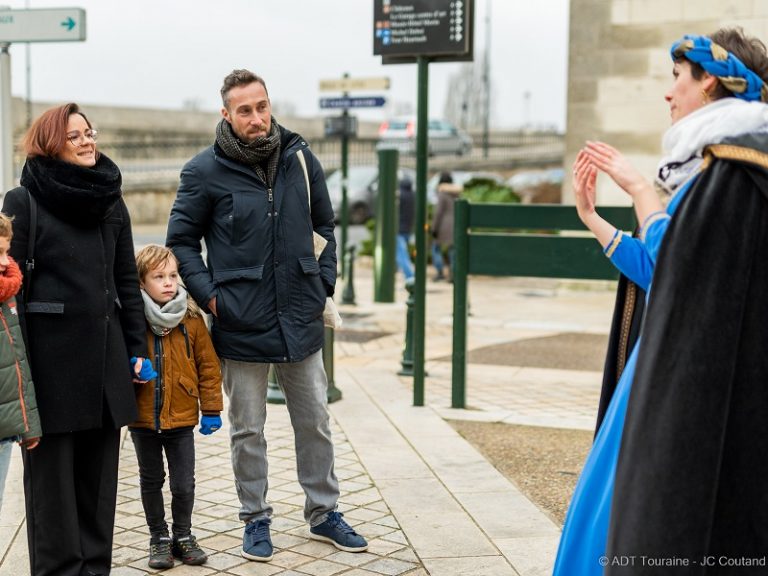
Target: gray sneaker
x=257, y=544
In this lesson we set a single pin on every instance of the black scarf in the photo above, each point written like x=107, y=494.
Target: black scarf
x=254, y=154
x=76, y=194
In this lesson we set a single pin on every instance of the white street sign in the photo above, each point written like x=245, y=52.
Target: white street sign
x=349, y=84
x=43, y=25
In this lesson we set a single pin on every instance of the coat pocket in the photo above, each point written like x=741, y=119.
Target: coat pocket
x=184, y=401
x=242, y=301
x=313, y=292
x=44, y=308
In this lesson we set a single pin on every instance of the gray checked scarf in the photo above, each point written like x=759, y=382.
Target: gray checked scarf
x=255, y=155
x=163, y=319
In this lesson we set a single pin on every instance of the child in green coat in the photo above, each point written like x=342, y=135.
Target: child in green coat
x=19, y=421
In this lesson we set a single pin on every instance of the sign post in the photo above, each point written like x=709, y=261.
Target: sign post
x=346, y=127
x=39, y=25
x=422, y=31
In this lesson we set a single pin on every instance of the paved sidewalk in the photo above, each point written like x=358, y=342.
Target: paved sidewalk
x=428, y=502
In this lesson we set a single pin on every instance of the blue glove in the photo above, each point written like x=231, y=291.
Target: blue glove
x=146, y=372
x=209, y=424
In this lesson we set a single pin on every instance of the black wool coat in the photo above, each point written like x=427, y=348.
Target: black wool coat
x=270, y=289
x=84, y=316
x=691, y=477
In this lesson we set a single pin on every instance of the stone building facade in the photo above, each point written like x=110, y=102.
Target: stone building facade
x=619, y=70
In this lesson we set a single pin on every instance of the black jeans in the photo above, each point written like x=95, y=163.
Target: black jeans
x=179, y=446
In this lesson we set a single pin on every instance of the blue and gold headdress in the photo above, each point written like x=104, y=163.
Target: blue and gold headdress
x=716, y=60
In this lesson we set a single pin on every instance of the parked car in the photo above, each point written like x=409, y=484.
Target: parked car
x=362, y=186
x=528, y=179
x=443, y=137
x=460, y=177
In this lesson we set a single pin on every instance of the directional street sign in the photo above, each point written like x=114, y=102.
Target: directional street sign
x=350, y=84
x=357, y=102
x=438, y=29
x=43, y=25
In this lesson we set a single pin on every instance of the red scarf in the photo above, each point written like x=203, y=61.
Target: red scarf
x=10, y=280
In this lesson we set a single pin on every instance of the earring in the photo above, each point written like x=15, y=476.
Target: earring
x=705, y=96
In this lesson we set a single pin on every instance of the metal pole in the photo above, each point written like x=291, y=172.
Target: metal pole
x=407, y=361
x=28, y=63
x=419, y=319
x=386, y=229
x=460, y=270
x=348, y=295
x=487, y=81
x=344, y=175
x=6, y=122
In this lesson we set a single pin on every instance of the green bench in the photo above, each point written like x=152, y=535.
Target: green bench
x=520, y=240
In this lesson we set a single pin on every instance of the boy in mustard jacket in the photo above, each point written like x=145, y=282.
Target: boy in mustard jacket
x=188, y=382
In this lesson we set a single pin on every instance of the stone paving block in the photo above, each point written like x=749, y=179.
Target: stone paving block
x=389, y=566
x=255, y=569
x=531, y=556
x=382, y=547
x=350, y=559
x=507, y=515
x=478, y=566
x=323, y=568
x=127, y=571
x=434, y=522
x=314, y=549
x=222, y=561
x=288, y=559
x=219, y=542
x=129, y=538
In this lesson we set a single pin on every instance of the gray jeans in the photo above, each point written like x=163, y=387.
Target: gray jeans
x=305, y=387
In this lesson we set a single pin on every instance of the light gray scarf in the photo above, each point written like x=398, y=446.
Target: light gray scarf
x=163, y=319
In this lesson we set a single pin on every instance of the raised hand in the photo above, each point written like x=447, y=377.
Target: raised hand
x=584, y=178
x=609, y=160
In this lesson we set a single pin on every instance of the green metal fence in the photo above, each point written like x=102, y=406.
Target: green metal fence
x=520, y=240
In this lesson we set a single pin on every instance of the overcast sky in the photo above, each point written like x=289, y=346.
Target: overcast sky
x=165, y=53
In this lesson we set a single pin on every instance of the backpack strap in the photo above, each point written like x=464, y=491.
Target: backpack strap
x=303, y=162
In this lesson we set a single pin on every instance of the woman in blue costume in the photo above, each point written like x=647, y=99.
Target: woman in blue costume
x=714, y=96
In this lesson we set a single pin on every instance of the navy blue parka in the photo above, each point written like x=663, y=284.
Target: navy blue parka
x=270, y=289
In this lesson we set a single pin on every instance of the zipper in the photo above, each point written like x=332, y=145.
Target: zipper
x=158, y=381
x=18, y=373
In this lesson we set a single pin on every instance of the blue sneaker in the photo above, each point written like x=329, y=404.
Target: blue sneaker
x=336, y=531
x=257, y=545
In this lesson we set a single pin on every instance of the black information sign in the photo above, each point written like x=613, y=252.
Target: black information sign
x=337, y=126
x=438, y=29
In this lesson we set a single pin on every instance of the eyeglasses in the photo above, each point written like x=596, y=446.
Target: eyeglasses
x=78, y=139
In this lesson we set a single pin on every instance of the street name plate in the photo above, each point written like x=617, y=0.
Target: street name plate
x=434, y=28
x=42, y=25
x=356, y=102
x=350, y=84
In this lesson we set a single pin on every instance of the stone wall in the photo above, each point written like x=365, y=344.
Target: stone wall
x=619, y=70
